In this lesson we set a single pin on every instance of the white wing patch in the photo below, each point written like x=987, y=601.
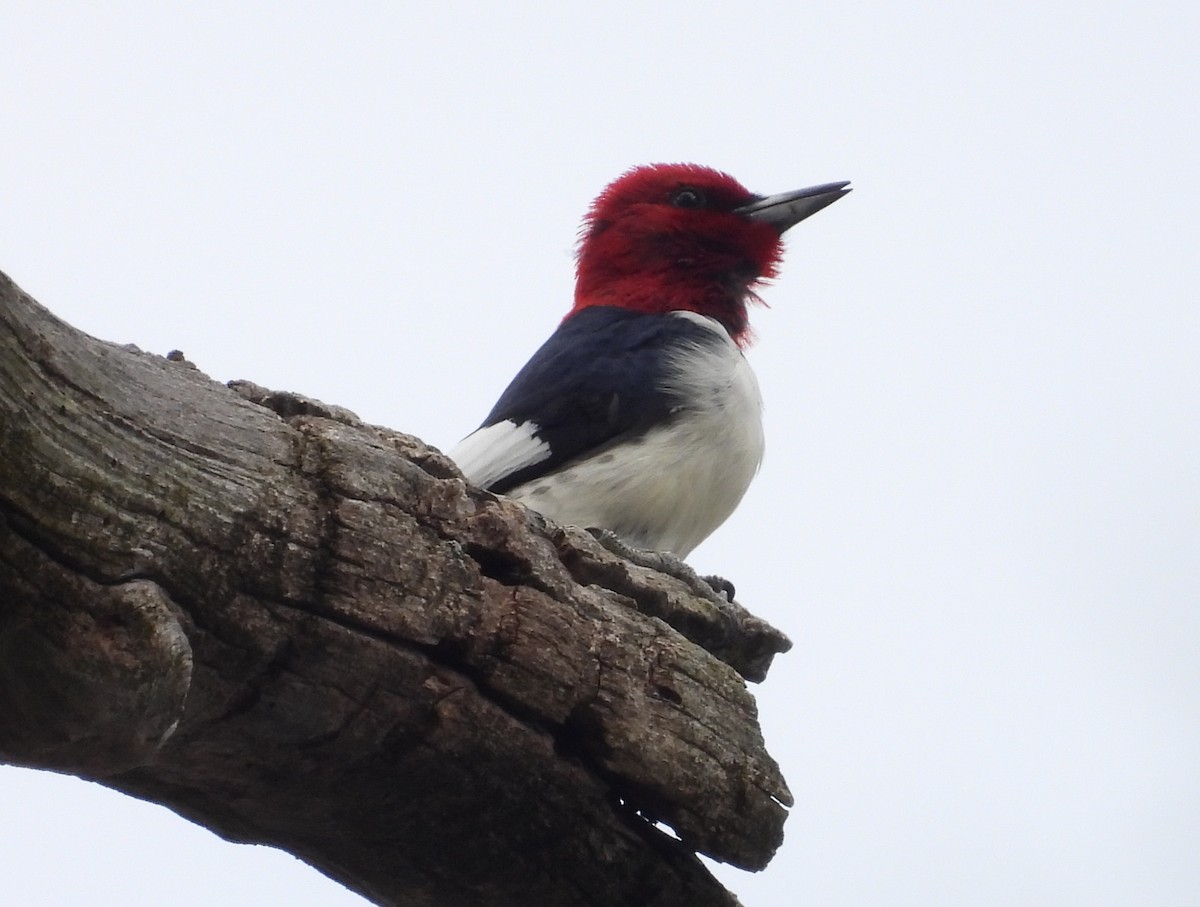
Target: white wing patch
x=493, y=452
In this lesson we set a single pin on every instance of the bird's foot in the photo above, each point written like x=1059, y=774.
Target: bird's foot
x=663, y=562
x=720, y=585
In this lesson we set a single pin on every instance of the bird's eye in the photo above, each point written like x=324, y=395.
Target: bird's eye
x=687, y=197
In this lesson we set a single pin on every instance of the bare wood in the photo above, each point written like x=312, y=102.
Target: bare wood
x=300, y=630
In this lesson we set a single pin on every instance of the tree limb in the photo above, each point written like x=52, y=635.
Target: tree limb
x=301, y=630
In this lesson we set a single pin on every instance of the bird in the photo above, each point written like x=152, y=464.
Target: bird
x=640, y=415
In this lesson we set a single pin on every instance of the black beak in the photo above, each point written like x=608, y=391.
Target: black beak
x=787, y=209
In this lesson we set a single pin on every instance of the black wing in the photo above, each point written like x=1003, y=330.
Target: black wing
x=601, y=376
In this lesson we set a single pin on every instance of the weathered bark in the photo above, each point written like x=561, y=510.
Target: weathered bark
x=300, y=630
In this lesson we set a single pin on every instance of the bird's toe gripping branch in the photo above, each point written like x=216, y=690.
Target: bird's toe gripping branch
x=716, y=622
x=663, y=562
x=721, y=585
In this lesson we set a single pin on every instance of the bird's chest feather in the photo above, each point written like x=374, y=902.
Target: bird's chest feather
x=670, y=486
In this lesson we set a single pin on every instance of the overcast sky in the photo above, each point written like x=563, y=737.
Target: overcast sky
x=979, y=515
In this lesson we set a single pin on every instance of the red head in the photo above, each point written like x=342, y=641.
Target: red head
x=669, y=237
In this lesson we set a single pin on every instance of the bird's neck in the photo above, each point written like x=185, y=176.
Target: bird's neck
x=726, y=305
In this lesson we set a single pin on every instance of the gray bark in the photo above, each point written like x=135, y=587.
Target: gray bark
x=300, y=630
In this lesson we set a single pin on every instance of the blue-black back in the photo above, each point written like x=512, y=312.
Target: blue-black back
x=602, y=376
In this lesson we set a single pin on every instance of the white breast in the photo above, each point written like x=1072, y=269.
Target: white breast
x=669, y=489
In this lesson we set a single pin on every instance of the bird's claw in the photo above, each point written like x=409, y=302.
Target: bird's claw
x=662, y=562
x=721, y=585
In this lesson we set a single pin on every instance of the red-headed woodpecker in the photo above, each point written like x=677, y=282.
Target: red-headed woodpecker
x=640, y=415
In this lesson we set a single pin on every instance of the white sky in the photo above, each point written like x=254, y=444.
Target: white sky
x=979, y=517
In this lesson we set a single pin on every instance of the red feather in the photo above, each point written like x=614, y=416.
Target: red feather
x=639, y=249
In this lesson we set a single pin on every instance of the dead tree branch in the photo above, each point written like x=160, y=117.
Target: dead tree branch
x=301, y=630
